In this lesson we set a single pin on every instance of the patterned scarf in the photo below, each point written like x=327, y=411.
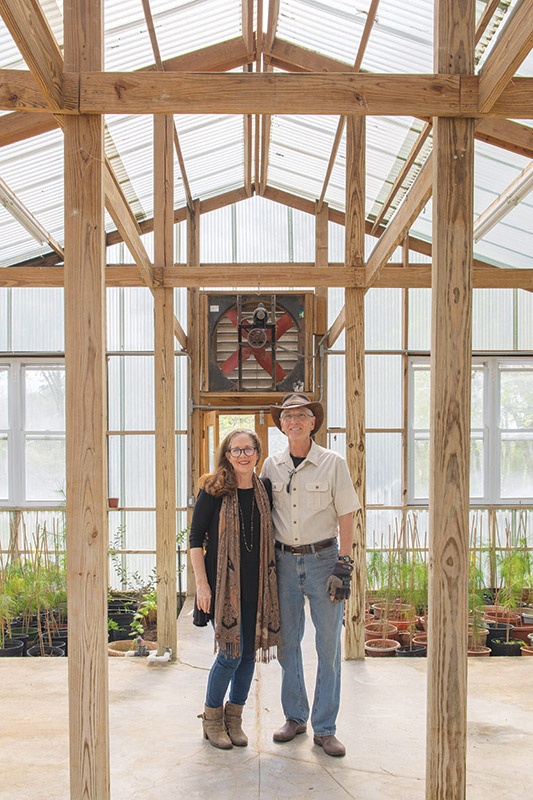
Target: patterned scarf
x=228, y=588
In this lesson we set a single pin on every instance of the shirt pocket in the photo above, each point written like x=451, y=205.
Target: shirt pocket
x=317, y=495
x=277, y=486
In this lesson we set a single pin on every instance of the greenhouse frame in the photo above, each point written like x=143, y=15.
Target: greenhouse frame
x=361, y=170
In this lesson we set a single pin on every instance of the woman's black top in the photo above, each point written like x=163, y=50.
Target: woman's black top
x=204, y=533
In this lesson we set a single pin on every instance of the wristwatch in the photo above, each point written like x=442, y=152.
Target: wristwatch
x=346, y=559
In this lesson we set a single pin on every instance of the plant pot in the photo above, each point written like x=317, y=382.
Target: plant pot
x=496, y=629
x=412, y=651
x=45, y=650
x=420, y=638
x=380, y=630
x=530, y=637
x=380, y=648
x=478, y=636
x=55, y=641
x=501, y=647
x=522, y=632
x=112, y=502
x=526, y=651
x=27, y=635
x=478, y=650
x=12, y=648
x=119, y=648
x=527, y=617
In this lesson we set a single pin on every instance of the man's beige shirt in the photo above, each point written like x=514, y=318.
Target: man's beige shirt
x=321, y=491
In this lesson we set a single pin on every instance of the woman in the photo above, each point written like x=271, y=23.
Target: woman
x=232, y=554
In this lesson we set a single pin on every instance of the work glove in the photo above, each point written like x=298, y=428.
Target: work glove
x=338, y=583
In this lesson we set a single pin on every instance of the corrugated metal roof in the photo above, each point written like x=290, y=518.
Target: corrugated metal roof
x=213, y=146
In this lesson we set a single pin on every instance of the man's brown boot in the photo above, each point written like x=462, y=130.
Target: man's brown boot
x=233, y=720
x=214, y=729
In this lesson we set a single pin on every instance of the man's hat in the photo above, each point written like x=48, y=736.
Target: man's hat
x=296, y=400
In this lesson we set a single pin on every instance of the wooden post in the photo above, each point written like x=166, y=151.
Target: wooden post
x=355, y=375
x=321, y=314
x=86, y=415
x=451, y=357
x=165, y=406
x=194, y=351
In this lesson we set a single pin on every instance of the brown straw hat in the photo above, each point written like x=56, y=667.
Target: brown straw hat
x=297, y=400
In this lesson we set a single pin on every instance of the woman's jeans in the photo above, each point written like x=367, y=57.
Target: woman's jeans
x=301, y=576
x=237, y=673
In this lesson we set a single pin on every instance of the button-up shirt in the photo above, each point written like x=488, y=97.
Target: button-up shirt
x=308, y=500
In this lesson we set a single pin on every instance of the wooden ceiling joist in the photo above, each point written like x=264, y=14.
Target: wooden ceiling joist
x=511, y=48
x=301, y=275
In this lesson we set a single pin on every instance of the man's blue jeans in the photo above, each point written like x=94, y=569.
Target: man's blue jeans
x=235, y=672
x=301, y=576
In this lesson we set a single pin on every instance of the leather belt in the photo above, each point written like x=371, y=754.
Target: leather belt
x=306, y=548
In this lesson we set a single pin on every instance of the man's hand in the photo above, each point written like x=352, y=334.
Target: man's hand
x=338, y=583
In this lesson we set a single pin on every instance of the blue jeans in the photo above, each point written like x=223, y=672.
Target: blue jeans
x=235, y=672
x=301, y=576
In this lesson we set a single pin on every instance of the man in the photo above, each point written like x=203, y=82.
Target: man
x=313, y=501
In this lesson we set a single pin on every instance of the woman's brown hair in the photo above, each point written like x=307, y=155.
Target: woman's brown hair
x=222, y=480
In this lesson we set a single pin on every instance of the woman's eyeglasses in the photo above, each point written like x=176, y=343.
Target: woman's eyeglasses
x=247, y=451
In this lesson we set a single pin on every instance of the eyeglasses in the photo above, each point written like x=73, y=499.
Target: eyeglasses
x=299, y=415
x=236, y=451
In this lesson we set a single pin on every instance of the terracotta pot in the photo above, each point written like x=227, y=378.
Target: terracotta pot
x=526, y=651
x=522, y=632
x=380, y=630
x=420, y=638
x=123, y=646
x=379, y=648
x=503, y=615
x=478, y=650
x=478, y=636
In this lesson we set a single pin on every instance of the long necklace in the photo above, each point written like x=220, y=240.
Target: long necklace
x=249, y=546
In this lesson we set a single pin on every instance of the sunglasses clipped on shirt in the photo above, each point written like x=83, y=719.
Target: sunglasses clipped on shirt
x=247, y=451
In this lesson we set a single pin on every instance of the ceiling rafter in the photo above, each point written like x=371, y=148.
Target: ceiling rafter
x=247, y=16
x=511, y=48
x=369, y=24
x=32, y=34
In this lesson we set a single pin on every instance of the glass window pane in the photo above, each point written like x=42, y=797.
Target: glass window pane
x=45, y=469
x=131, y=393
x=516, y=399
x=477, y=470
x=45, y=399
x=38, y=322
x=132, y=470
x=517, y=465
x=337, y=443
x=419, y=319
x=421, y=396
x=421, y=468
x=336, y=392
x=4, y=489
x=277, y=441
x=477, y=395
x=383, y=319
x=383, y=391
x=4, y=419
x=384, y=468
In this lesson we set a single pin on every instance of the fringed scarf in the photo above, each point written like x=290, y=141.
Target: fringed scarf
x=228, y=588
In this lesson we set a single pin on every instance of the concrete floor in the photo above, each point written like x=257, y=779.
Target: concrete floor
x=157, y=750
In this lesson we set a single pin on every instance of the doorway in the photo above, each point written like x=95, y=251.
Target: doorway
x=218, y=423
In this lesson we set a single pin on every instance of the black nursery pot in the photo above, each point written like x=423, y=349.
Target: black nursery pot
x=411, y=651
x=12, y=648
x=37, y=651
x=500, y=647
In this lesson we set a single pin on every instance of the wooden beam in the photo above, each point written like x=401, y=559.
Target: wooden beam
x=19, y=125
x=392, y=276
x=451, y=366
x=164, y=375
x=506, y=134
x=219, y=57
x=512, y=46
x=86, y=422
x=354, y=641
x=29, y=28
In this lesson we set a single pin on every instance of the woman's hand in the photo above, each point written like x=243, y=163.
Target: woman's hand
x=203, y=596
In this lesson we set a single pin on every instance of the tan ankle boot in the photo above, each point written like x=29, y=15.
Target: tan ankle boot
x=233, y=720
x=214, y=729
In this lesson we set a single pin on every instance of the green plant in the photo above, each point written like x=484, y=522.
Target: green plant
x=146, y=613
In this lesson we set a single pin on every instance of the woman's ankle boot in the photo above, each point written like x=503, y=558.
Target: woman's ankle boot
x=214, y=728
x=233, y=719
